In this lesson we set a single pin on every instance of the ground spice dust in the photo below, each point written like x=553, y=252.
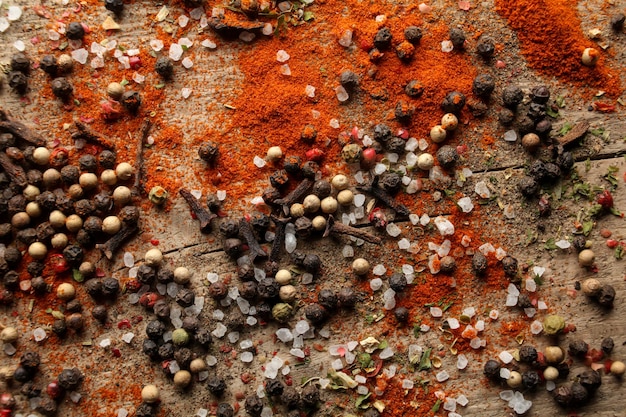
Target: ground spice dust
x=552, y=42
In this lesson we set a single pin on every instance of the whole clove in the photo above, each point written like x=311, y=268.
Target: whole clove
x=333, y=227
x=375, y=190
x=15, y=172
x=115, y=242
x=279, y=237
x=86, y=134
x=202, y=214
x=297, y=194
x=253, y=245
x=19, y=130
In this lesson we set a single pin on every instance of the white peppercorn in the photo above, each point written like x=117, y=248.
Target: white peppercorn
x=360, y=266
x=340, y=182
x=20, y=220
x=591, y=287
x=586, y=257
x=59, y=241
x=150, y=394
x=514, y=380
x=57, y=219
x=283, y=277
x=31, y=192
x=425, y=161
x=345, y=197
x=41, y=156
x=33, y=209
x=111, y=225
x=51, y=178
x=449, y=121
x=182, y=378
x=296, y=210
x=108, y=177
x=122, y=195
x=590, y=57
x=618, y=368
x=115, y=90
x=124, y=171
x=311, y=203
x=318, y=223
x=329, y=205
x=438, y=134
x=274, y=154
x=288, y=293
x=73, y=223
x=75, y=192
x=553, y=354
x=9, y=335
x=88, y=180
x=65, y=63
x=550, y=373
x=66, y=291
x=197, y=365
x=153, y=257
x=37, y=250
x=182, y=275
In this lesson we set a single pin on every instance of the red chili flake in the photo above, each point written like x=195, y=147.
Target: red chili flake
x=193, y=215
x=236, y=408
x=500, y=64
x=240, y=396
x=607, y=366
x=41, y=11
x=569, y=328
x=86, y=120
x=246, y=377
x=154, y=242
x=355, y=133
x=605, y=199
x=136, y=319
x=593, y=355
x=5, y=412
x=612, y=243
x=225, y=348
x=603, y=107
x=288, y=380
x=315, y=154
x=59, y=264
x=319, y=347
x=111, y=110
x=605, y=233
x=135, y=62
x=403, y=133
x=77, y=9
x=464, y=5
x=100, y=272
x=541, y=359
x=148, y=299
x=116, y=352
x=124, y=324
x=133, y=285
x=462, y=149
x=376, y=370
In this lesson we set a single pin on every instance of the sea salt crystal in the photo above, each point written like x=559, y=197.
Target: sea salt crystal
x=386, y=353
x=449, y=405
x=389, y=296
x=53, y=35
x=453, y=323
x=346, y=38
x=220, y=331
x=284, y=335
x=539, y=271
x=404, y=244
x=14, y=13
x=175, y=52
x=211, y=360
x=138, y=78
x=246, y=357
x=407, y=384
x=128, y=337
x=522, y=407
x=379, y=269
x=531, y=285
x=208, y=43
x=461, y=361
x=506, y=395
x=510, y=135
x=550, y=385
x=105, y=343
x=285, y=70
x=444, y=226
x=9, y=349
x=411, y=145
x=122, y=412
x=530, y=312
x=309, y=90
x=380, y=168
x=513, y=290
x=298, y=353
x=80, y=55
x=480, y=325
x=183, y=21
x=511, y=300
x=282, y=56
x=302, y=327
x=462, y=400
x=446, y=46
x=39, y=334
x=376, y=284
x=347, y=251
x=505, y=373
x=493, y=314
x=268, y=29
x=19, y=45
x=442, y=376
x=221, y=195
x=500, y=254
x=465, y=204
x=436, y=312
x=246, y=36
x=202, y=412
x=424, y=328
x=359, y=177
x=541, y=305
x=258, y=161
x=392, y=229
x=393, y=158
x=187, y=62
x=563, y=244
x=129, y=260
x=482, y=190
x=505, y=357
x=341, y=93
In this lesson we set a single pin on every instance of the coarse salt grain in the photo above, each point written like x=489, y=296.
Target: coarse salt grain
x=183, y=21
x=208, y=43
x=187, y=62
x=14, y=13
x=246, y=36
x=282, y=56
x=436, y=312
x=446, y=46
x=175, y=51
x=309, y=90
x=285, y=70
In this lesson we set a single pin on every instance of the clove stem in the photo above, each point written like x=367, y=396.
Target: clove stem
x=297, y=194
x=375, y=190
x=115, y=242
x=255, y=249
x=19, y=130
x=140, y=164
x=334, y=227
x=279, y=237
x=83, y=132
x=202, y=214
x=15, y=172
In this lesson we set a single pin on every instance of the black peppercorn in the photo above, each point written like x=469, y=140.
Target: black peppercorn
x=75, y=31
x=20, y=62
x=183, y=356
x=146, y=274
x=617, y=22
x=382, y=133
x=218, y=290
x=49, y=64
x=103, y=201
x=224, y=410
x=99, y=313
x=12, y=256
x=18, y=81
x=245, y=272
x=563, y=396
x=268, y=288
x=30, y=390
x=185, y=297
x=161, y=309
x=279, y=179
x=528, y=186
x=457, y=37
x=164, y=67
x=93, y=225
x=536, y=112
x=35, y=268
x=303, y=226
x=203, y=336
x=578, y=348
x=322, y=189
x=479, y=263
x=310, y=396
x=312, y=263
x=62, y=88
x=453, y=102
x=327, y=299
x=530, y=379
x=84, y=207
x=347, y=297
x=486, y=48
x=401, y=314
x=75, y=322
x=116, y=6
x=110, y=287
x=447, y=156
x=232, y=247
x=565, y=161
x=510, y=266
x=229, y=227
x=403, y=112
x=483, y=85
x=260, y=222
x=492, y=369
x=528, y=354
x=291, y=164
x=540, y=94
x=310, y=169
x=413, y=34
x=11, y=280
x=270, y=195
x=606, y=296
x=70, y=379
x=46, y=406
x=155, y=329
x=131, y=100
x=73, y=306
x=129, y=215
x=349, y=80
x=27, y=236
x=70, y=174
x=30, y=360
x=397, y=282
x=59, y=327
x=216, y=385
x=39, y=285
x=315, y=313
x=580, y=393
x=145, y=409
x=512, y=96
x=382, y=39
x=607, y=345
x=208, y=152
x=88, y=163
x=414, y=89
x=73, y=254
x=274, y=388
x=166, y=351
x=523, y=301
x=107, y=159
x=290, y=397
x=150, y=348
